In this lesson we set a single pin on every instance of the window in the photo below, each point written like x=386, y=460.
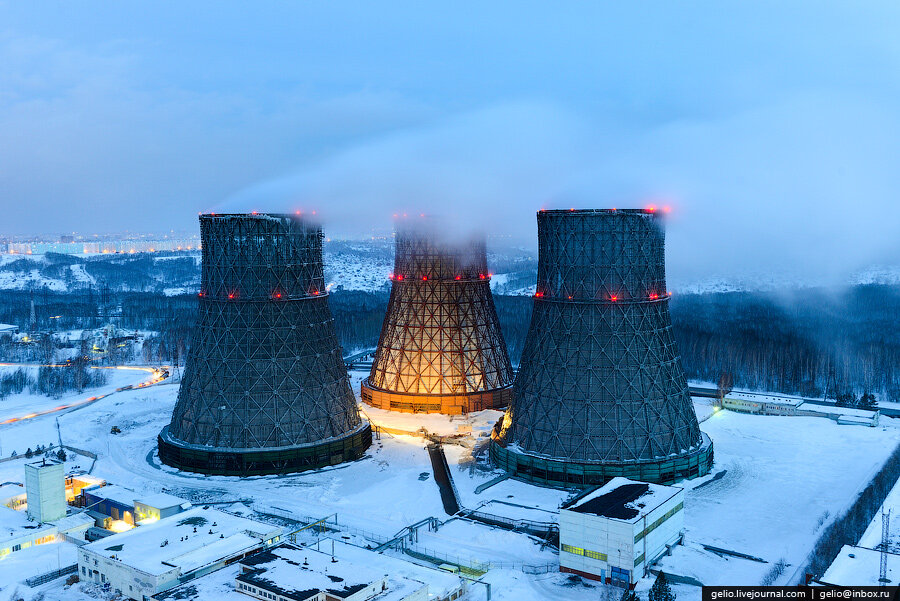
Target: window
x=571, y=549
x=595, y=555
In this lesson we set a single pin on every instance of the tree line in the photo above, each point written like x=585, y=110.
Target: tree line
x=845, y=345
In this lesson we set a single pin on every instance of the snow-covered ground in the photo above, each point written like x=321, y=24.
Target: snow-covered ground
x=785, y=479
x=22, y=405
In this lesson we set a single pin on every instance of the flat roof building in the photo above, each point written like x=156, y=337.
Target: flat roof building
x=157, y=556
x=340, y=573
x=17, y=532
x=614, y=532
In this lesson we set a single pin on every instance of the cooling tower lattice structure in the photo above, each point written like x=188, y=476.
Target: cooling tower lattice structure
x=265, y=389
x=441, y=349
x=600, y=390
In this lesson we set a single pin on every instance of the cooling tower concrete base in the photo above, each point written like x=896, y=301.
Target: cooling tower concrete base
x=548, y=471
x=257, y=462
x=448, y=404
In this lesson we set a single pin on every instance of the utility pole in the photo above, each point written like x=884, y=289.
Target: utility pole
x=885, y=537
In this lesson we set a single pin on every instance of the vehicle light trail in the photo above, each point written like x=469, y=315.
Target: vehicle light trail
x=158, y=375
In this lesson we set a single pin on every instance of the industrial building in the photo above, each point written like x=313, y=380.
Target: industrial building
x=12, y=495
x=18, y=531
x=441, y=349
x=45, y=489
x=265, y=389
x=162, y=554
x=613, y=533
x=113, y=503
x=329, y=571
x=600, y=390
x=766, y=404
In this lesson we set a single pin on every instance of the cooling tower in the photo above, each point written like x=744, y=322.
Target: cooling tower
x=600, y=390
x=441, y=349
x=265, y=389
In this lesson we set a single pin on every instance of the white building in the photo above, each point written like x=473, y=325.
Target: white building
x=158, y=556
x=12, y=495
x=613, y=533
x=17, y=532
x=8, y=330
x=158, y=506
x=293, y=573
x=45, y=489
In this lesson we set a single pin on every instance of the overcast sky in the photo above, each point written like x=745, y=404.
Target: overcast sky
x=771, y=128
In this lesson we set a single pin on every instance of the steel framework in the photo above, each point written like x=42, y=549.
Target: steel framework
x=265, y=389
x=600, y=390
x=441, y=348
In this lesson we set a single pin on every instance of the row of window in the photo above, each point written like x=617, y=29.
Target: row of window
x=261, y=592
x=585, y=552
x=658, y=522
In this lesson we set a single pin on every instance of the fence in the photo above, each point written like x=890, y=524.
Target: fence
x=45, y=578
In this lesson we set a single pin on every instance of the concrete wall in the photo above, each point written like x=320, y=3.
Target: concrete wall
x=581, y=536
x=132, y=583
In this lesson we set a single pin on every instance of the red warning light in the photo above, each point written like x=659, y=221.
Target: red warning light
x=613, y=298
x=231, y=295
x=277, y=295
x=667, y=209
x=458, y=278
x=424, y=278
x=481, y=276
x=254, y=213
x=399, y=278
x=654, y=296
x=316, y=292
x=539, y=294
x=651, y=208
x=200, y=294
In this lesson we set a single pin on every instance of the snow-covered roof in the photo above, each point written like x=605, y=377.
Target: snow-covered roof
x=11, y=490
x=113, y=492
x=299, y=572
x=15, y=524
x=162, y=500
x=172, y=542
x=844, y=411
x=302, y=573
x=623, y=499
x=76, y=521
x=858, y=566
x=5, y=327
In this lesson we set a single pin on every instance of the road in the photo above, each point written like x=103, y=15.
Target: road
x=157, y=375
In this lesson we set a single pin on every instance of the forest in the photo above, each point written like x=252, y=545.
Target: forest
x=805, y=342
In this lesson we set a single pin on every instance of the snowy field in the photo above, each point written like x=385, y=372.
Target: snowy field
x=20, y=406
x=784, y=479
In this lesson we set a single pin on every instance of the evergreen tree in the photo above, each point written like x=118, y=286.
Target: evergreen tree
x=630, y=595
x=867, y=401
x=29, y=454
x=661, y=591
x=61, y=455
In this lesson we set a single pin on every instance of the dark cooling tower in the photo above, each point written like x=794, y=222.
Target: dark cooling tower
x=265, y=389
x=441, y=349
x=600, y=390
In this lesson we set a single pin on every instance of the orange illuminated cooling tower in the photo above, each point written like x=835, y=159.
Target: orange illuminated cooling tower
x=441, y=349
